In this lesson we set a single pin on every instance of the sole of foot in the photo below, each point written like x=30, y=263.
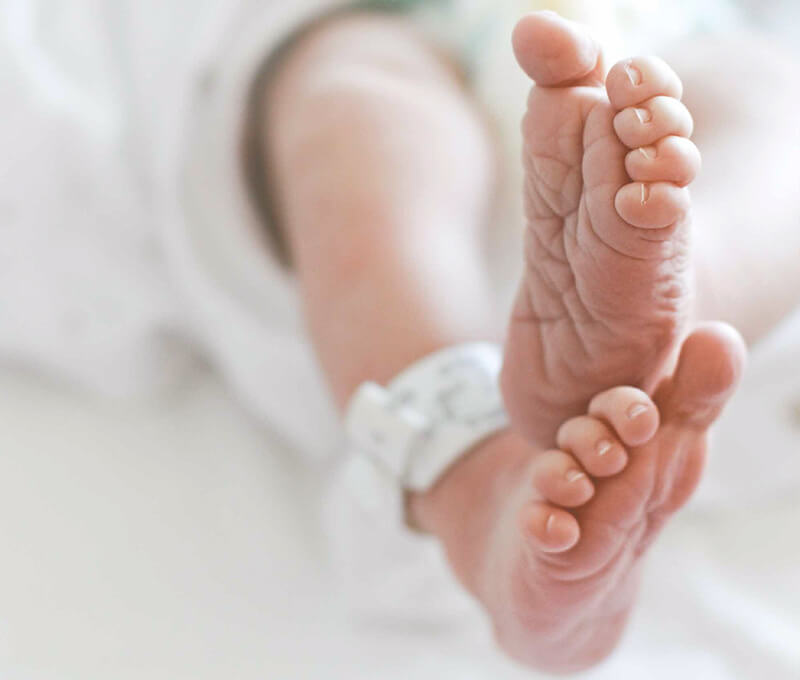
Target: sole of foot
x=607, y=288
x=596, y=502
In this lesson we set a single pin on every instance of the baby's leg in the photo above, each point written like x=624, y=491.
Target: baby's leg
x=742, y=92
x=384, y=175
x=384, y=179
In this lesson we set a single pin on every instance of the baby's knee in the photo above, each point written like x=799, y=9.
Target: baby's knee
x=352, y=53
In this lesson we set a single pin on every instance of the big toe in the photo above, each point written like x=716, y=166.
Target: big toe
x=711, y=364
x=556, y=52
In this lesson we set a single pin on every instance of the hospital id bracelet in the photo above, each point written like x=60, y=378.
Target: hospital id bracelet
x=430, y=415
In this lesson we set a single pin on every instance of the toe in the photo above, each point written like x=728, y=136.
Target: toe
x=629, y=411
x=653, y=205
x=672, y=159
x=651, y=120
x=556, y=52
x=633, y=81
x=551, y=529
x=595, y=446
x=560, y=479
x=711, y=363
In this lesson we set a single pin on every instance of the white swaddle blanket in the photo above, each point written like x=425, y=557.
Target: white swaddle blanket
x=130, y=248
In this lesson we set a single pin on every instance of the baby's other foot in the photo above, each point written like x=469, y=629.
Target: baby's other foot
x=568, y=551
x=607, y=286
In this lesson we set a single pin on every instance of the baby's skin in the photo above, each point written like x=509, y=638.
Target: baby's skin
x=607, y=290
x=383, y=176
x=551, y=540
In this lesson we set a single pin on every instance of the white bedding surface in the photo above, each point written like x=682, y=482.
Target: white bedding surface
x=169, y=540
x=174, y=539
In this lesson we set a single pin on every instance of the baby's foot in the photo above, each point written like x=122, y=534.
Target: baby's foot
x=552, y=542
x=607, y=286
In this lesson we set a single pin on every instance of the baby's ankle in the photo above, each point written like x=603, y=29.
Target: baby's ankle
x=462, y=508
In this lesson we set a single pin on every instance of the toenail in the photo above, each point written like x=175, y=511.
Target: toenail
x=634, y=74
x=575, y=475
x=551, y=522
x=636, y=410
x=645, y=193
x=643, y=115
x=649, y=152
x=604, y=447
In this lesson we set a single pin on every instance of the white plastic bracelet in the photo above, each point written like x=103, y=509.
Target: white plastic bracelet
x=430, y=415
